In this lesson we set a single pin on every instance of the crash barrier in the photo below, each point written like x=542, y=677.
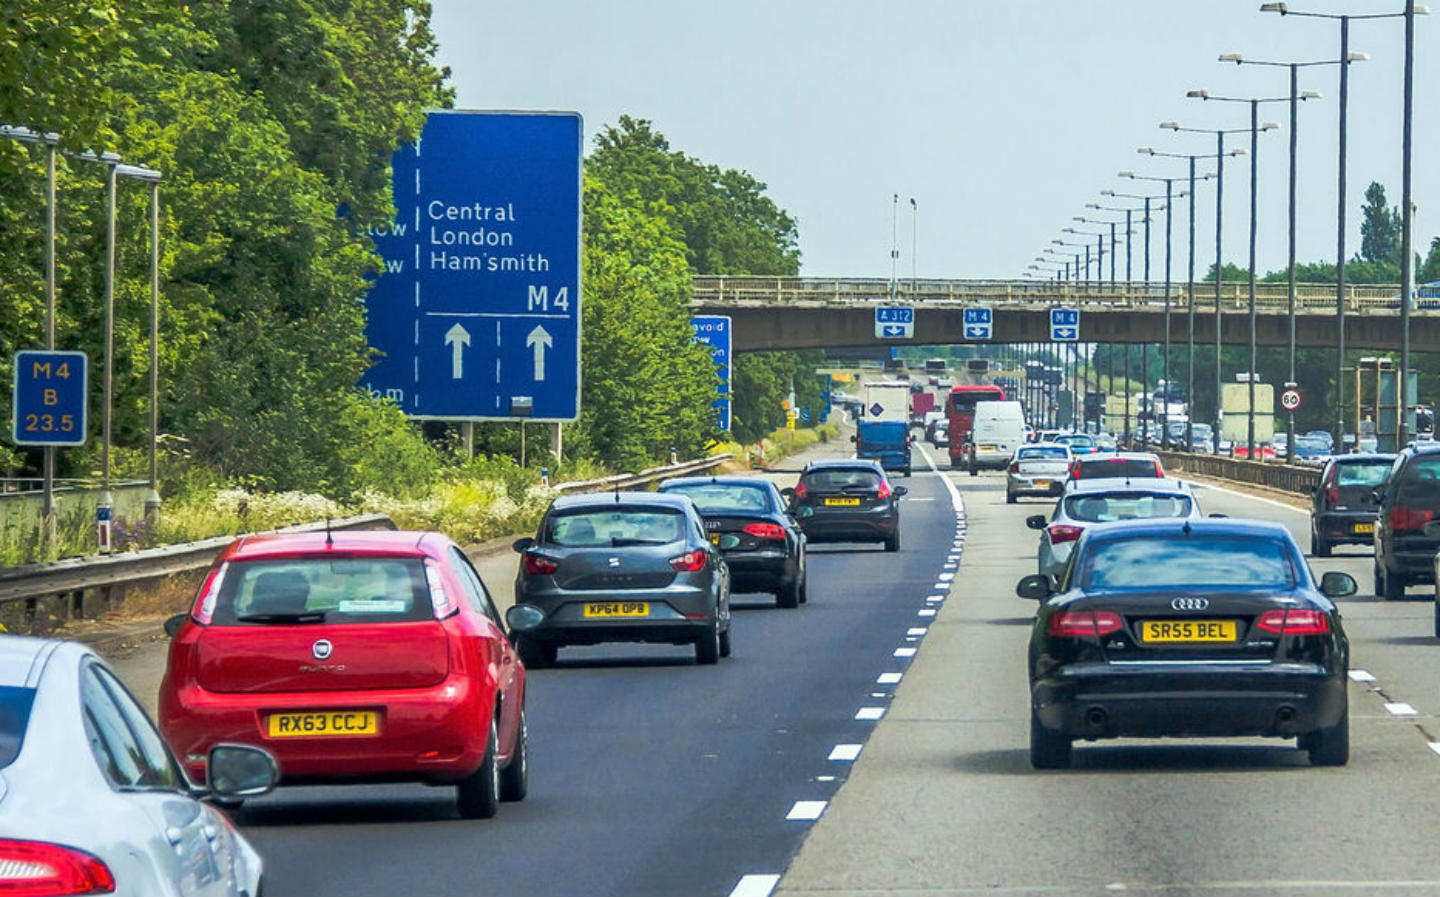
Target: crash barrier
x=1295, y=478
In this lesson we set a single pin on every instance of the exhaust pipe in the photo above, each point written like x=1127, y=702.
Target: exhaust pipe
x=1096, y=718
x=1284, y=716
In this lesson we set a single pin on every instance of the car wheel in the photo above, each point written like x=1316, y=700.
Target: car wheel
x=907, y=471
x=725, y=642
x=1437, y=618
x=1318, y=547
x=892, y=543
x=1048, y=748
x=479, y=793
x=515, y=778
x=1379, y=582
x=1392, y=585
x=1330, y=746
x=1009, y=498
x=707, y=647
x=788, y=595
x=536, y=655
x=804, y=588
x=974, y=470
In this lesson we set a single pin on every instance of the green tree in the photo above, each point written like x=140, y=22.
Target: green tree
x=1379, y=227
x=1430, y=270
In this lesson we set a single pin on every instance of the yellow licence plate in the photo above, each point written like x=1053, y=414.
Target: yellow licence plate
x=1364, y=527
x=618, y=609
x=1188, y=631
x=329, y=723
x=715, y=539
x=1042, y=484
x=842, y=502
x=987, y=448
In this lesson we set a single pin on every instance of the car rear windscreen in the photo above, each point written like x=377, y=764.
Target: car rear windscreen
x=1362, y=474
x=324, y=590
x=1112, y=506
x=1076, y=441
x=1420, y=482
x=1044, y=453
x=1186, y=562
x=15, y=706
x=725, y=498
x=614, y=527
x=840, y=478
x=1117, y=467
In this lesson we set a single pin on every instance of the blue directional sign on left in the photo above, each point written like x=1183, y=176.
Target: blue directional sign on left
x=1065, y=324
x=50, y=398
x=476, y=314
x=979, y=323
x=714, y=331
x=894, y=322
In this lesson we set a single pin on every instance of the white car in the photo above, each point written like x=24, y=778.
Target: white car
x=1039, y=469
x=91, y=799
x=1091, y=502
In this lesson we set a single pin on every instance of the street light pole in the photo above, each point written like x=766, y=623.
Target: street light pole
x=1407, y=237
x=914, y=231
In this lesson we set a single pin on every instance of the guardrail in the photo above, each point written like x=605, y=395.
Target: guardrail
x=644, y=477
x=1285, y=477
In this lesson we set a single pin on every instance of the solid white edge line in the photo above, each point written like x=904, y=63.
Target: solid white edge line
x=806, y=810
x=845, y=752
x=755, y=885
x=1259, y=498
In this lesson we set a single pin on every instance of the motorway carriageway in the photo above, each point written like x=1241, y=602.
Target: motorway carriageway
x=651, y=776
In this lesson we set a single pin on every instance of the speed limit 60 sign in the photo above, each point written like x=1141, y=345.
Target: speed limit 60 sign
x=1290, y=399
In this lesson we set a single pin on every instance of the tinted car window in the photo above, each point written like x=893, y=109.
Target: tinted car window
x=1109, y=507
x=1076, y=441
x=615, y=527
x=15, y=706
x=842, y=478
x=1117, y=467
x=1420, y=481
x=721, y=498
x=1185, y=562
x=472, y=585
x=1361, y=474
x=328, y=590
x=1046, y=453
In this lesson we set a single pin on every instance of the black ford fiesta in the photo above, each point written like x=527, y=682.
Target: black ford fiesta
x=1166, y=628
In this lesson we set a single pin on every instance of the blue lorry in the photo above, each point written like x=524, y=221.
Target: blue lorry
x=886, y=441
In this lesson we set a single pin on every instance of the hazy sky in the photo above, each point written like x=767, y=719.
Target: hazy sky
x=1002, y=119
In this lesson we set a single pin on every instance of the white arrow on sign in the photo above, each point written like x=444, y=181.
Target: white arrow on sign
x=457, y=338
x=1064, y=333
x=539, y=338
x=977, y=332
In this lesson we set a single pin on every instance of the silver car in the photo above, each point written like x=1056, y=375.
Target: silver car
x=91, y=799
x=1038, y=469
x=1090, y=502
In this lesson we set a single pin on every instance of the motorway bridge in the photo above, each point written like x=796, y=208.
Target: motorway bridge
x=821, y=312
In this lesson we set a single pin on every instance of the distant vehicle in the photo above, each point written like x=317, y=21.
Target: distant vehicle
x=1104, y=442
x=1405, y=543
x=1078, y=443
x=1129, y=465
x=1202, y=438
x=960, y=409
x=922, y=404
x=1343, y=507
x=894, y=365
x=941, y=438
x=431, y=690
x=92, y=801
x=763, y=545
x=848, y=501
x=1194, y=628
x=624, y=567
x=1090, y=502
x=1279, y=445
x=884, y=432
x=1038, y=469
x=999, y=430
x=1311, y=449
x=1325, y=435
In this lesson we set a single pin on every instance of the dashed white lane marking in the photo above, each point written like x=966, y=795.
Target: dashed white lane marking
x=1435, y=746
x=878, y=694
x=926, y=612
x=755, y=886
x=824, y=778
x=936, y=599
x=916, y=630
x=942, y=585
x=1361, y=676
x=1400, y=708
x=925, y=498
x=845, y=752
x=946, y=577
x=869, y=713
x=904, y=652
x=806, y=810
x=889, y=678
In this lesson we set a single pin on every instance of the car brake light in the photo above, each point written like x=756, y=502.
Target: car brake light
x=800, y=490
x=1059, y=532
x=1159, y=472
x=1332, y=494
x=535, y=565
x=1084, y=623
x=34, y=868
x=692, y=562
x=209, y=595
x=884, y=491
x=1403, y=518
x=1074, y=470
x=1294, y=622
x=765, y=530
x=439, y=600
x=1015, y=467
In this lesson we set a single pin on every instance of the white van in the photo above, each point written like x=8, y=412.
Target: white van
x=999, y=431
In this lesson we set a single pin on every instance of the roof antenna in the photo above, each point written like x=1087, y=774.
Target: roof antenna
x=1185, y=530
x=329, y=539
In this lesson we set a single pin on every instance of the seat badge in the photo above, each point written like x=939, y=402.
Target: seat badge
x=614, y=562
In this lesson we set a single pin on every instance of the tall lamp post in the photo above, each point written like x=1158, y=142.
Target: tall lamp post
x=914, y=232
x=1254, y=129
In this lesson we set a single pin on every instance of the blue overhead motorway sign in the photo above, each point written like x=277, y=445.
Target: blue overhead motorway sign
x=715, y=332
x=50, y=398
x=979, y=323
x=476, y=315
x=1064, y=324
x=894, y=322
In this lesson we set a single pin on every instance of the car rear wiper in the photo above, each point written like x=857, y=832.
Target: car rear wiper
x=309, y=616
x=620, y=543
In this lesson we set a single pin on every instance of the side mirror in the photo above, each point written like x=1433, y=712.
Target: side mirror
x=174, y=624
x=1378, y=495
x=1035, y=586
x=234, y=771
x=520, y=617
x=787, y=493
x=728, y=541
x=1037, y=521
x=900, y=491
x=853, y=439
x=523, y=545
x=1336, y=584
x=1216, y=515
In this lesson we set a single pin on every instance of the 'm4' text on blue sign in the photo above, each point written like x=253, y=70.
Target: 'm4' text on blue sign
x=50, y=398
x=1064, y=324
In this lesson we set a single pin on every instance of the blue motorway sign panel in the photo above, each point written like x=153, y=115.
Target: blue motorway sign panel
x=715, y=332
x=979, y=323
x=477, y=313
x=894, y=322
x=1065, y=324
x=51, y=398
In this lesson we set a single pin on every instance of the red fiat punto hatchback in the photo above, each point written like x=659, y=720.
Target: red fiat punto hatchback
x=352, y=657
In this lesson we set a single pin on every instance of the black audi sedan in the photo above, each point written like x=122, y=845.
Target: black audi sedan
x=623, y=567
x=1194, y=628
x=847, y=501
x=1344, y=506
x=762, y=543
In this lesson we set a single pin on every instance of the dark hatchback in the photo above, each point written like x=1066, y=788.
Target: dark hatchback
x=1407, y=527
x=623, y=567
x=847, y=501
x=749, y=522
x=1343, y=507
x=1188, y=629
